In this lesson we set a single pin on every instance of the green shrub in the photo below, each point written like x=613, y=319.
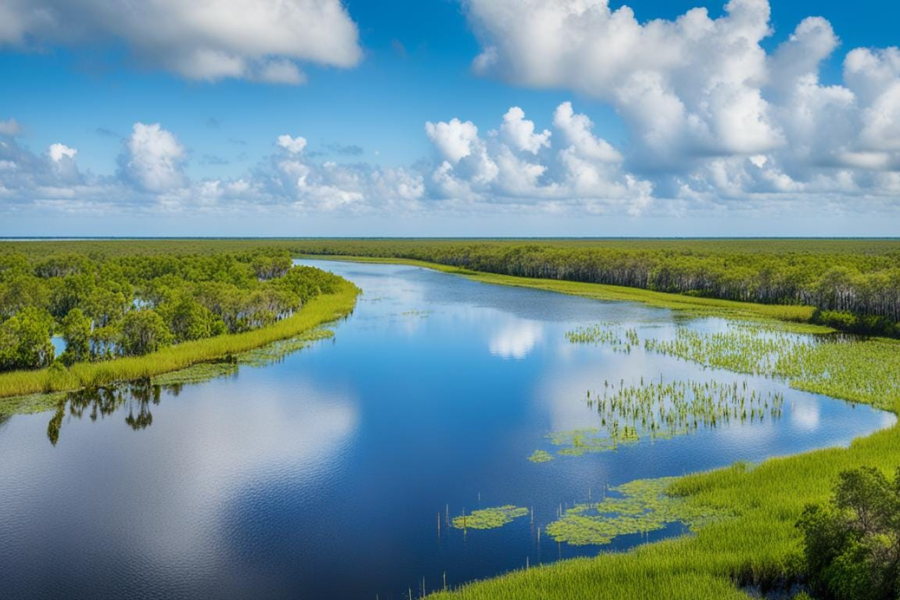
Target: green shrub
x=852, y=545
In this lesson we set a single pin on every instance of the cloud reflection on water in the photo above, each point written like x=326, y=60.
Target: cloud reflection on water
x=516, y=339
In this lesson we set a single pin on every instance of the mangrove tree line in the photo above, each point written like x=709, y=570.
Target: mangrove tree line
x=109, y=305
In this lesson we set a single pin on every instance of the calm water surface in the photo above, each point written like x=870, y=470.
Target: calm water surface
x=322, y=476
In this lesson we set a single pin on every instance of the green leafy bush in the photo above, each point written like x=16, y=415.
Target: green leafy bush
x=852, y=546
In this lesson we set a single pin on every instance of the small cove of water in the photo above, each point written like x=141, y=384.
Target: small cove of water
x=324, y=475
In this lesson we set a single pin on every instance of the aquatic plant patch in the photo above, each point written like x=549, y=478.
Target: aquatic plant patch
x=541, y=456
x=617, y=337
x=637, y=507
x=657, y=410
x=661, y=409
x=578, y=442
x=742, y=347
x=276, y=351
x=196, y=374
x=490, y=518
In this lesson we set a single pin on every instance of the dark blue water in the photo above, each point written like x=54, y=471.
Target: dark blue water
x=323, y=476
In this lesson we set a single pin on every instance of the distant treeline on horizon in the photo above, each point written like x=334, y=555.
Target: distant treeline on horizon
x=853, y=283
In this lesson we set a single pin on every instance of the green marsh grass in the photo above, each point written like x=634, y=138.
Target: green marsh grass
x=845, y=367
x=613, y=335
x=662, y=410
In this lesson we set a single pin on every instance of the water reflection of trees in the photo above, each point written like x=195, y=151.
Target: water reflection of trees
x=137, y=397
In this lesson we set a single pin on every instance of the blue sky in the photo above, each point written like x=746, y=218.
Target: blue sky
x=416, y=63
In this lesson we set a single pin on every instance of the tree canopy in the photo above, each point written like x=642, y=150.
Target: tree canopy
x=104, y=306
x=852, y=546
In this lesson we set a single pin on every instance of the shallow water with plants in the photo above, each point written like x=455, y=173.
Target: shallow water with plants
x=449, y=431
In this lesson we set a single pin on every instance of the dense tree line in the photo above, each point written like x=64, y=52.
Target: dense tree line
x=852, y=289
x=104, y=306
x=855, y=284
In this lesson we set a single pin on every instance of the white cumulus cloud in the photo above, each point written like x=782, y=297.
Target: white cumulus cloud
x=519, y=132
x=583, y=173
x=710, y=114
x=293, y=145
x=208, y=40
x=455, y=140
x=58, y=152
x=155, y=159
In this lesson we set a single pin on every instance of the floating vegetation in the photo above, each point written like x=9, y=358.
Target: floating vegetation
x=31, y=403
x=541, y=456
x=638, y=507
x=615, y=336
x=196, y=374
x=259, y=357
x=579, y=442
x=276, y=351
x=416, y=313
x=489, y=518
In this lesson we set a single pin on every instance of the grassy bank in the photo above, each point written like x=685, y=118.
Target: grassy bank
x=319, y=310
x=612, y=293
